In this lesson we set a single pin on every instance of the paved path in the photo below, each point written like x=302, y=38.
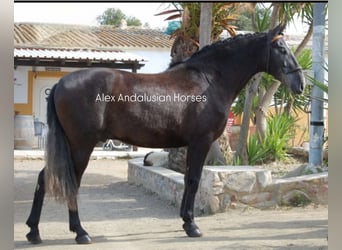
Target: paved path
x=122, y=216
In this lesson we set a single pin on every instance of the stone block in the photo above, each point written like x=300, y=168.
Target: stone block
x=214, y=204
x=264, y=178
x=255, y=198
x=295, y=198
x=240, y=182
x=211, y=182
x=165, y=182
x=225, y=202
x=314, y=186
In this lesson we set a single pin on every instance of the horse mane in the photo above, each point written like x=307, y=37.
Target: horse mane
x=230, y=42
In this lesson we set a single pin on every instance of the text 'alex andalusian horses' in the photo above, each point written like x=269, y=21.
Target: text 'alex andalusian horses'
x=186, y=105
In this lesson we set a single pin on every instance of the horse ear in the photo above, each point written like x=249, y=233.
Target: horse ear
x=277, y=30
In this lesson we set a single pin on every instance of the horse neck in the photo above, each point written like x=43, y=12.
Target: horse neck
x=240, y=63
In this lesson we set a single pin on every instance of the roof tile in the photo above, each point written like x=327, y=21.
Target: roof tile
x=81, y=36
x=77, y=54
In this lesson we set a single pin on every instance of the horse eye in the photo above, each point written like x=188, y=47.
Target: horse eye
x=282, y=49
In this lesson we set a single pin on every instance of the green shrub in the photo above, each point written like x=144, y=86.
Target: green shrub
x=280, y=130
x=255, y=151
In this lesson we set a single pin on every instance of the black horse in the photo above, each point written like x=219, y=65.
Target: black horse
x=187, y=105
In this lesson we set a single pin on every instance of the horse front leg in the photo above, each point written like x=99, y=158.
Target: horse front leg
x=34, y=217
x=195, y=160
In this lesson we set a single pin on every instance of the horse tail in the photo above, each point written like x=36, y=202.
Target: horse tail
x=60, y=176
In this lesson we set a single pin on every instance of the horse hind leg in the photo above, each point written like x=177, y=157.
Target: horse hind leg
x=81, y=160
x=33, y=220
x=82, y=237
x=33, y=236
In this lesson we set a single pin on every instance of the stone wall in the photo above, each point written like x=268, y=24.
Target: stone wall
x=224, y=187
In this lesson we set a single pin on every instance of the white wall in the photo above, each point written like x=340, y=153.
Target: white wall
x=20, y=79
x=158, y=59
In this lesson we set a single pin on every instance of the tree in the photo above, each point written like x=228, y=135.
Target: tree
x=223, y=14
x=280, y=12
x=133, y=21
x=244, y=20
x=172, y=27
x=112, y=16
x=260, y=22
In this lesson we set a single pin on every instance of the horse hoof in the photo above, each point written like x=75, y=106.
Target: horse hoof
x=192, y=229
x=34, y=238
x=84, y=239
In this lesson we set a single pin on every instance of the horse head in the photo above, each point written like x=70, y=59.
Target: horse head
x=282, y=63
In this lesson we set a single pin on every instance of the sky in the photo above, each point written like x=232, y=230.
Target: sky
x=86, y=13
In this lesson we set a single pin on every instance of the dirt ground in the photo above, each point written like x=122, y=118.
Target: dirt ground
x=118, y=215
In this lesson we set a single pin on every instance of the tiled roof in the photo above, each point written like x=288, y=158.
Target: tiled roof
x=80, y=58
x=75, y=54
x=101, y=37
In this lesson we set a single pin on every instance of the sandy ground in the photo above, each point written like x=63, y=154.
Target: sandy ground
x=118, y=215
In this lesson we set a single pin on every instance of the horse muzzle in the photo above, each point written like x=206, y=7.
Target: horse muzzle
x=295, y=79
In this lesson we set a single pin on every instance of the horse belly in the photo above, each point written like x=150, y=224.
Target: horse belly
x=145, y=126
x=150, y=140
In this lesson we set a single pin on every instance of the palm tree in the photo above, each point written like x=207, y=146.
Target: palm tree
x=284, y=13
x=187, y=36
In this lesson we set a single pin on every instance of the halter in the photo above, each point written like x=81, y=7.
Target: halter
x=269, y=42
x=275, y=38
x=293, y=70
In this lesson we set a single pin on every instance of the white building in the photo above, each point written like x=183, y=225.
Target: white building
x=43, y=53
